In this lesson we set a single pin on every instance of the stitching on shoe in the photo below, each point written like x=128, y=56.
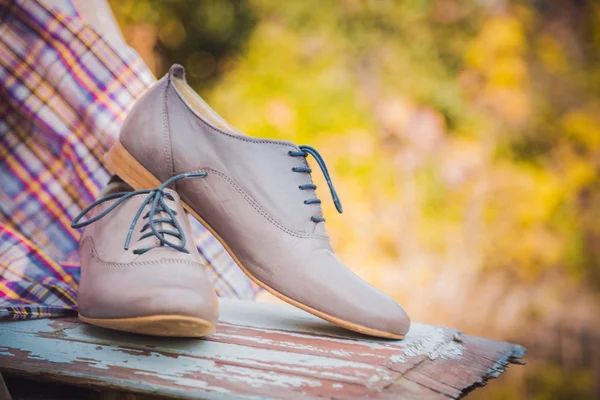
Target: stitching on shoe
x=251, y=140
x=258, y=207
x=137, y=196
x=95, y=257
x=145, y=263
x=166, y=131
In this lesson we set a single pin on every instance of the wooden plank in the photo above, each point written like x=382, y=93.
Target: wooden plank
x=406, y=389
x=167, y=373
x=482, y=359
x=300, y=332
x=259, y=350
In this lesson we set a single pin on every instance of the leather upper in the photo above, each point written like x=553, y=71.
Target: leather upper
x=251, y=198
x=117, y=283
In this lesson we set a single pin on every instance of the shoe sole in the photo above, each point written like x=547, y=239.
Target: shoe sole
x=156, y=325
x=120, y=162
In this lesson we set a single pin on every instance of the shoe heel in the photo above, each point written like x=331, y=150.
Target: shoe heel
x=121, y=163
x=157, y=325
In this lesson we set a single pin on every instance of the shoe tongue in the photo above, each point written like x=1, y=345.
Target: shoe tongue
x=152, y=240
x=172, y=204
x=175, y=196
x=115, y=187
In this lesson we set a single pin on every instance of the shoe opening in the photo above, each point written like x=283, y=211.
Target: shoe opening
x=200, y=106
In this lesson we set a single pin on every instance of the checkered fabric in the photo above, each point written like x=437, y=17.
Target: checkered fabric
x=64, y=92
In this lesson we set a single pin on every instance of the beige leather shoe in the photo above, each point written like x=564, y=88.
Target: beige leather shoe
x=140, y=271
x=257, y=198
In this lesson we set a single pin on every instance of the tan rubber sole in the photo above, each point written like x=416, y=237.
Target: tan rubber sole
x=120, y=162
x=157, y=325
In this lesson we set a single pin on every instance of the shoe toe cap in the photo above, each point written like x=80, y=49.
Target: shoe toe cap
x=324, y=284
x=163, y=287
x=392, y=318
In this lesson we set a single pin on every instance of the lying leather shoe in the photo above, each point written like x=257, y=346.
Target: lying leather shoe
x=140, y=270
x=257, y=198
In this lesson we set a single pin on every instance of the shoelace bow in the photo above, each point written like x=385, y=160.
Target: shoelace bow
x=304, y=152
x=157, y=198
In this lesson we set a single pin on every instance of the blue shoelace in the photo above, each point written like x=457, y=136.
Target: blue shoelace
x=157, y=198
x=304, y=152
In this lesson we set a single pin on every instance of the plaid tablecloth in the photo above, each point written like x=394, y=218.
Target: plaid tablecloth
x=64, y=92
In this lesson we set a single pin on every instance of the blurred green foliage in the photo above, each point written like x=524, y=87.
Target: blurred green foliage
x=463, y=138
x=555, y=383
x=517, y=83
x=543, y=381
x=199, y=34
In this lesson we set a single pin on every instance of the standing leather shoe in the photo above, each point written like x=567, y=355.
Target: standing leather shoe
x=140, y=271
x=257, y=198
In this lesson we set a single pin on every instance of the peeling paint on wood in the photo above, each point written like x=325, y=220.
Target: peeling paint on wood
x=259, y=351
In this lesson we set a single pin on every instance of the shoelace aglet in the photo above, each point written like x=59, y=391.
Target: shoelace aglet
x=128, y=239
x=338, y=205
x=335, y=197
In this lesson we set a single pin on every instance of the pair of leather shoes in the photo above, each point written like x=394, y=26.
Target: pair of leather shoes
x=141, y=271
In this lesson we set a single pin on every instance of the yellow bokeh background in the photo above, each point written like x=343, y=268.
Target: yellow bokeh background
x=463, y=138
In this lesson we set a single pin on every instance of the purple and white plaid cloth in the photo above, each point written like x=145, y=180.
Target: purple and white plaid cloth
x=64, y=92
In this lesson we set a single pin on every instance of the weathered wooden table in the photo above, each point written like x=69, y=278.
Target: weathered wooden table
x=260, y=350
